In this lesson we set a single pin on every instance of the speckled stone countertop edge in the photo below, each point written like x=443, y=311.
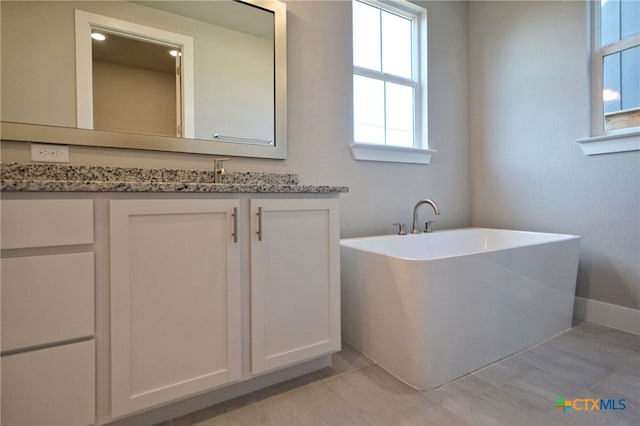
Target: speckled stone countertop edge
x=97, y=186
x=73, y=172
x=48, y=177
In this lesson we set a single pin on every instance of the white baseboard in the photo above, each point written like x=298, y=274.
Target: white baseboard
x=607, y=314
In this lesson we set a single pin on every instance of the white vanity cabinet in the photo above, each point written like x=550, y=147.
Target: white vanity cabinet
x=175, y=292
x=175, y=300
x=48, y=296
x=295, y=281
x=114, y=304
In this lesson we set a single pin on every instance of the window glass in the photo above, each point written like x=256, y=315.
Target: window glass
x=619, y=20
x=611, y=83
x=399, y=108
x=368, y=109
x=629, y=18
x=610, y=18
x=396, y=45
x=630, y=78
x=621, y=70
x=366, y=36
x=621, y=88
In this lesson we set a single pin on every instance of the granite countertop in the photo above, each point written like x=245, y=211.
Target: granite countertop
x=48, y=177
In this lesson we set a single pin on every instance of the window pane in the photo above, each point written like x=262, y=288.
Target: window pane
x=621, y=80
x=621, y=94
x=630, y=78
x=366, y=36
x=619, y=20
x=610, y=21
x=611, y=92
x=396, y=45
x=399, y=115
x=368, y=110
x=629, y=18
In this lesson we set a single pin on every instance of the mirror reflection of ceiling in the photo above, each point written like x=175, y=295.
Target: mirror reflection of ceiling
x=229, y=14
x=136, y=53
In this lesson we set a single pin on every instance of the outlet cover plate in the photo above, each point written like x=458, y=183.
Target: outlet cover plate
x=49, y=153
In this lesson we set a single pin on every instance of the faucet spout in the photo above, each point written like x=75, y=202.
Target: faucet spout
x=218, y=169
x=416, y=228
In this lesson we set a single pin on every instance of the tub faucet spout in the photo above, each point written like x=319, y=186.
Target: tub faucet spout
x=416, y=228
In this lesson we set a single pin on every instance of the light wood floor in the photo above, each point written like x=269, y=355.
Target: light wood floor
x=589, y=361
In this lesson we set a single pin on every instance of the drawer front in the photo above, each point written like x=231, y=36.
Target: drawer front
x=45, y=223
x=54, y=386
x=46, y=299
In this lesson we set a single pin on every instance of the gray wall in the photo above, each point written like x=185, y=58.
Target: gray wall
x=529, y=103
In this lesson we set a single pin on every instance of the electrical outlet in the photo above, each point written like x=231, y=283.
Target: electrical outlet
x=49, y=153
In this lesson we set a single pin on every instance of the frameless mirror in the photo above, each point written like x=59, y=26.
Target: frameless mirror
x=186, y=76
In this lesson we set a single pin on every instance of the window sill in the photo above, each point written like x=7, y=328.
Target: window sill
x=392, y=154
x=615, y=142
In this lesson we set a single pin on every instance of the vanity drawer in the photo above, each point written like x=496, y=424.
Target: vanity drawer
x=47, y=299
x=44, y=223
x=53, y=386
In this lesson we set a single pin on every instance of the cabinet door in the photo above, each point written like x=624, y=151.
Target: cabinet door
x=295, y=287
x=175, y=300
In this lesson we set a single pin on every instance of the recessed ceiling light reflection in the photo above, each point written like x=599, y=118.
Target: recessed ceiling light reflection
x=175, y=53
x=98, y=36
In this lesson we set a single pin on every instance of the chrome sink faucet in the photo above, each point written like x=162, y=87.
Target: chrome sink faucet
x=416, y=228
x=218, y=169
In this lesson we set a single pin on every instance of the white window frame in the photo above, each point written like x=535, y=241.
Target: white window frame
x=601, y=140
x=419, y=153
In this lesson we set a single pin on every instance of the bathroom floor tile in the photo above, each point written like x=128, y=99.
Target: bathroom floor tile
x=381, y=399
x=250, y=415
x=611, y=353
x=541, y=376
x=621, y=386
x=571, y=367
x=538, y=387
x=589, y=361
x=313, y=404
x=288, y=386
x=210, y=415
x=616, y=338
x=481, y=403
x=346, y=360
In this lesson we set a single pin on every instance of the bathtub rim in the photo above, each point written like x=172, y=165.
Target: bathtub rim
x=344, y=242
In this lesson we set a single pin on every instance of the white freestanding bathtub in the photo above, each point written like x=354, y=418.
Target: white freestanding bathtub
x=432, y=307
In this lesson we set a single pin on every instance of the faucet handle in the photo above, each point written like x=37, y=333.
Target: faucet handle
x=428, y=225
x=401, y=228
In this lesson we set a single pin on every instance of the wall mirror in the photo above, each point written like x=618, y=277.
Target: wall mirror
x=205, y=77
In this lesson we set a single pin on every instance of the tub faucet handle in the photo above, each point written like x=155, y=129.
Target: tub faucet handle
x=401, y=228
x=428, y=225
